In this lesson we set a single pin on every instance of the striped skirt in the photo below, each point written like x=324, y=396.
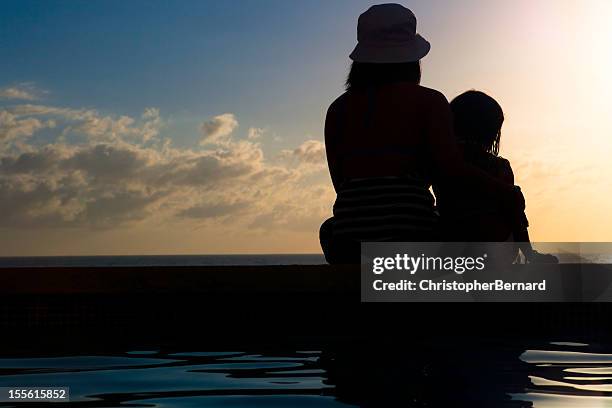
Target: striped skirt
x=384, y=209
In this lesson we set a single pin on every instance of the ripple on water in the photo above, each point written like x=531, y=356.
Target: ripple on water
x=179, y=379
x=556, y=374
x=570, y=375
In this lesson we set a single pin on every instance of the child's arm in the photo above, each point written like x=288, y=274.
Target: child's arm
x=505, y=172
x=521, y=237
x=519, y=232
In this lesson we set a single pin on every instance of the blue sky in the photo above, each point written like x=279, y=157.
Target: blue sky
x=188, y=58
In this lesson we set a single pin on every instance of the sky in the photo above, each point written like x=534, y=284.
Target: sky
x=185, y=127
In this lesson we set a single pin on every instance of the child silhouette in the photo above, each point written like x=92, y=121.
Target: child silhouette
x=478, y=120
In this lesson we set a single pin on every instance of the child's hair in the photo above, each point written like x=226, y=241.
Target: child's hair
x=478, y=120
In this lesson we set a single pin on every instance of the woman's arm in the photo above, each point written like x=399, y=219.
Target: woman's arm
x=331, y=143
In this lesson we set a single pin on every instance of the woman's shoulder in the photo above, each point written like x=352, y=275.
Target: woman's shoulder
x=423, y=92
x=433, y=94
x=337, y=104
x=404, y=91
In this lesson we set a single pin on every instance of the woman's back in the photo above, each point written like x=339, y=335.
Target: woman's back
x=379, y=153
x=382, y=131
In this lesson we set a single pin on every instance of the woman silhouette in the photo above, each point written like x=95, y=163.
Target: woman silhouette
x=388, y=139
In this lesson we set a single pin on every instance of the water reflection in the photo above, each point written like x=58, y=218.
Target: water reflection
x=379, y=373
x=569, y=375
x=177, y=379
x=473, y=374
x=440, y=373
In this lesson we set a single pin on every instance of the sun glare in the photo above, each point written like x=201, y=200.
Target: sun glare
x=599, y=42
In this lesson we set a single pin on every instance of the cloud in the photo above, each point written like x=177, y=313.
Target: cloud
x=311, y=153
x=104, y=171
x=25, y=91
x=213, y=210
x=12, y=127
x=218, y=129
x=44, y=110
x=110, y=209
x=25, y=119
x=254, y=133
x=152, y=125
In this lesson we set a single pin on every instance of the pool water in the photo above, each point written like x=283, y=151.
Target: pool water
x=568, y=375
x=177, y=379
x=543, y=375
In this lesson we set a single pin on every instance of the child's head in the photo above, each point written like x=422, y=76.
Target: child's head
x=478, y=120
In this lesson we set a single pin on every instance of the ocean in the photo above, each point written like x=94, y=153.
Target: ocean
x=222, y=260
x=161, y=260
